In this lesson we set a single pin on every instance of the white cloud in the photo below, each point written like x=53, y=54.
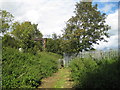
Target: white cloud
x=49, y=14
x=56, y=0
x=112, y=43
x=112, y=20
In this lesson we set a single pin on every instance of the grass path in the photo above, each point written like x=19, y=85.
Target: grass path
x=61, y=79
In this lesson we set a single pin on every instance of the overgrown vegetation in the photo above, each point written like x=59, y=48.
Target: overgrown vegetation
x=24, y=61
x=53, y=45
x=89, y=73
x=25, y=70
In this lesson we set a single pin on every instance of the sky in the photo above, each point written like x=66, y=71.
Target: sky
x=51, y=15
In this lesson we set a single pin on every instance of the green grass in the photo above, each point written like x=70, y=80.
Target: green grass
x=63, y=75
x=61, y=81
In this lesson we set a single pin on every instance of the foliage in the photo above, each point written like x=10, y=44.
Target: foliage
x=6, y=20
x=80, y=67
x=89, y=73
x=26, y=32
x=53, y=45
x=8, y=41
x=0, y=48
x=106, y=76
x=25, y=70
x=84, y=29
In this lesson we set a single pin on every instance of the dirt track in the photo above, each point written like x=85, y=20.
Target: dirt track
x=60, y=79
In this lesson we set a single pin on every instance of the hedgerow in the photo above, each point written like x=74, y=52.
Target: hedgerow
x=89, y=73
x=25, y=70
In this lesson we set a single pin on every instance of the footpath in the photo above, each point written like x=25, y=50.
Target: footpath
x=60, y=79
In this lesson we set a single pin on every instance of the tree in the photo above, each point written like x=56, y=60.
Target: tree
x=54, y=36
x=53, y=44
x=6, y=19
x=26, y=32
x=84, y=29
x=9, y=41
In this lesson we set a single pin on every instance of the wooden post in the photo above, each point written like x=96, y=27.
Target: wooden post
x=44, y=43
x=44, y=40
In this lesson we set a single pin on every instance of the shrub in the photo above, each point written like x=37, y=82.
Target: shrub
x=25, y=70
x=80, y=68
x=88, y=73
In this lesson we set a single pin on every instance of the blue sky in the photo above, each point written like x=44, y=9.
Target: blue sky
x=51, y=15
x=111, y=7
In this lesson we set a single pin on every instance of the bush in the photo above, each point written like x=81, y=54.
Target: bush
x=25, y=70
x=8, y=41
x=80, y=68
x=88, y=73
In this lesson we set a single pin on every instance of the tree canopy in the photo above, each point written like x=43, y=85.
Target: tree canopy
x=26, y=32
x=84, y=29
x=53, y=44
x=6, y=19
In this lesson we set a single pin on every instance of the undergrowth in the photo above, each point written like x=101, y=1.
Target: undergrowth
x=89, y=73
x=25, y=70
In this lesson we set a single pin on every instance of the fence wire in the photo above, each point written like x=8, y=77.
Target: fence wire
x=95, y=55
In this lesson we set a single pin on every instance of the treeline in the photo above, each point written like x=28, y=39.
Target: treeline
x=22, y=35
x=82, y=30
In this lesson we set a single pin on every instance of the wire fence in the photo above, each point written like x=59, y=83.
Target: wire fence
x=95, y=55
